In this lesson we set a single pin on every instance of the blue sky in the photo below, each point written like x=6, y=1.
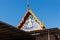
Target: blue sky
x=47, y=11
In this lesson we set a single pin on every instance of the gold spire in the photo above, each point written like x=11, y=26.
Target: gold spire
x=28, y=4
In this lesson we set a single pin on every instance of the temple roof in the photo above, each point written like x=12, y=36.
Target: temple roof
x=43, y=32
x=9, y=32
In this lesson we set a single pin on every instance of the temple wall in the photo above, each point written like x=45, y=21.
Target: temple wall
x=42, y=37
x=45, y=37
